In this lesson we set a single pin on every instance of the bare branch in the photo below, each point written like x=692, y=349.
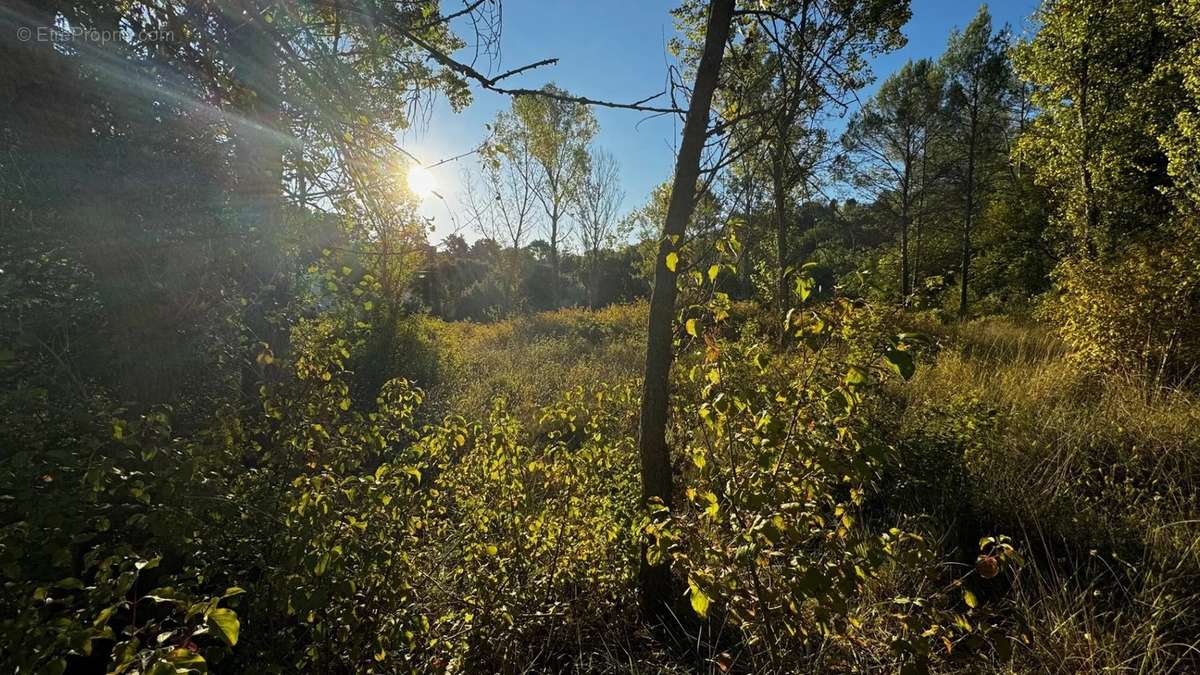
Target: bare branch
x=531, y=66
x=489, y=83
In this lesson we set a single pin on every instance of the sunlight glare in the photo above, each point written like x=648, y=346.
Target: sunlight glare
x=421, y=181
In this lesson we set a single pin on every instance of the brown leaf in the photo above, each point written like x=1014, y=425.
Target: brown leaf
x=987, y=566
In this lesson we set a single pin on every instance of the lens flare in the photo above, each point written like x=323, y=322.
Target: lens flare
x=420, y=181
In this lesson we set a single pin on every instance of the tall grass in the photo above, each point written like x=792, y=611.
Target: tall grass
x=533, y=361
x=1099, y=476
x=1096, y=477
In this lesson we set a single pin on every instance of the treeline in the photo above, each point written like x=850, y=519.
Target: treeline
x=943, y=214
x=483, y=281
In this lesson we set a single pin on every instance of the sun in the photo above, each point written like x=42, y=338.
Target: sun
x=421, y=181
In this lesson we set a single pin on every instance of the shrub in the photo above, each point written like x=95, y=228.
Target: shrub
x=1139, y=312
x=772, y=535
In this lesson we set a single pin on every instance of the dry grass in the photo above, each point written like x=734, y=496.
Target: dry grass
x=1097, y=479
x=532, y=361
x=1100, y=478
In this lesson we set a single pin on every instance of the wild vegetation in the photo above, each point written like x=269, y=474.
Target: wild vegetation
x=255, y=421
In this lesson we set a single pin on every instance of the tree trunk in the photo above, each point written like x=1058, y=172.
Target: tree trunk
x=968, y=217
x=657, y=588
x=916, y=261
x=258, y=161
x=781, y=253
x=905, y=198
x=593, y=277
x=554, y=286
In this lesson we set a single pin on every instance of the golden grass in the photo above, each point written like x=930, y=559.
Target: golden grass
x=1100, y=478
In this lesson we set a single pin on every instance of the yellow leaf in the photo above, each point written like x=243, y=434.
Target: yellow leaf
x=672, y=260
x=970, y=599
x=224, y=622
x=691, y=328
x=699, y=599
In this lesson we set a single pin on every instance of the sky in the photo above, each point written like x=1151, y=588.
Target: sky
x=617, y=50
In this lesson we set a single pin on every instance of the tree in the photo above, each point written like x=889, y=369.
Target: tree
x=1091, y=146
x=655, y=583
x=596, y=203
x=793, y=61
x=502, y=203
x=556, y=134
x=1180, y=22
x=1115, y=147
x=977, y=72
x=865, y=25
x=889, y=141
x=201, y=144
x=502, y=206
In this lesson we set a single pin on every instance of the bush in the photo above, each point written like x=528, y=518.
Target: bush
x=1139, y=312
x=773, y=535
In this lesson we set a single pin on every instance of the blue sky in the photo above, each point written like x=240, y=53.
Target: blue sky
x=616, y=50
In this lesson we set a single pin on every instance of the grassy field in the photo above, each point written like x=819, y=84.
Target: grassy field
x=1094, y=477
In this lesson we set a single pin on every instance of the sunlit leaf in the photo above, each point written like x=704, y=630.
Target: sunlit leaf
x=224, y=622
x=699, y=600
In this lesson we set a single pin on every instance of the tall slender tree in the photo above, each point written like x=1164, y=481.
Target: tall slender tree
x=557, y=133
x=499, y=197
x=595, y=207
x=1089, y=65
x=889, y=141
x=656, y=586
x=976, y=67
x=822, y=42
x=792, y=62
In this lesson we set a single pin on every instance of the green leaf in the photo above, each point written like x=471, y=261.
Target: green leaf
x=901, y=362
x=672, y=260
x=224, y=622
x=162, y=668
x=699, y=600
x=856, y=376
x=104, y=615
